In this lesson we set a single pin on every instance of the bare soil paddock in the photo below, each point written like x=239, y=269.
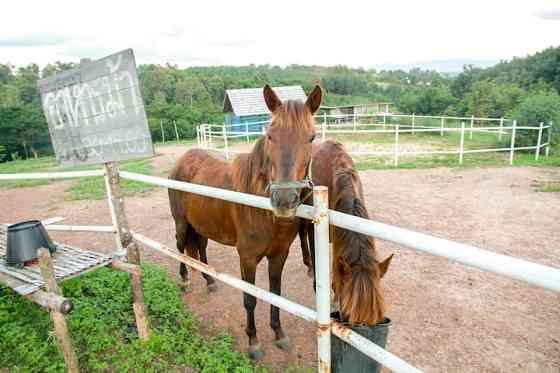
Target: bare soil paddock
x=447, y=317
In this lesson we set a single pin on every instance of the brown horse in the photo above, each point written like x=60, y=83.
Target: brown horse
x=276, y=165
x=356, y=270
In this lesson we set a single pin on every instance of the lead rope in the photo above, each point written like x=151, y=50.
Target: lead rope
x=309, y=178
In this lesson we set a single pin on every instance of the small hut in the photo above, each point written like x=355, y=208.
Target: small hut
x=243, y=106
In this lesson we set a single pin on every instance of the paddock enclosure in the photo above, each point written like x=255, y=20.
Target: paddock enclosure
x=149, y=217
x=395, y=136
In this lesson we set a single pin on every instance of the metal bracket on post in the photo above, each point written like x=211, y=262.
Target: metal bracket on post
x=322, y=276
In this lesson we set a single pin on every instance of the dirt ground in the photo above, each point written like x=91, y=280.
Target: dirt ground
x=446, y=317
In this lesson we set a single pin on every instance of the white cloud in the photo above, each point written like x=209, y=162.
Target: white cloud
x=356, y=33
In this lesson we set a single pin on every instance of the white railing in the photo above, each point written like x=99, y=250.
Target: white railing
x=219, y=137
x=532, y=273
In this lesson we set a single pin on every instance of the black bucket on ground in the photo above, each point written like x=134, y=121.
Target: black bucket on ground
x=346, y=359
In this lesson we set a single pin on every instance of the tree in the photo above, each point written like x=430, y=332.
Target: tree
x=536, y=108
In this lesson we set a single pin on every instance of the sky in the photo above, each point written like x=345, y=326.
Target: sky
x=236, y=32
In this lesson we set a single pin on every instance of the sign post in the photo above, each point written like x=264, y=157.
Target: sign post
x=96, y=115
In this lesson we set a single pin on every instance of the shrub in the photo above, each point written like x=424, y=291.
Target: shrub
x=534, y=109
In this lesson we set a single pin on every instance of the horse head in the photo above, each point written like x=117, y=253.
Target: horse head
x=287, y=146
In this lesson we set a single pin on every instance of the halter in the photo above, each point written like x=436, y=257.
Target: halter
x=306, y=183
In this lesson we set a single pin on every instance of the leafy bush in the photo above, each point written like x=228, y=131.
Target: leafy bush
x=102, y=329
x=534, y=109
x=3, y=153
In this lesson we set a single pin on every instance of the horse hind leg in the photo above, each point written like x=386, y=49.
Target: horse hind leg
x=181, y=231
x=202, y=243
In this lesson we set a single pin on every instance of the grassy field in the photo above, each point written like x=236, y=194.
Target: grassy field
x=103, y=330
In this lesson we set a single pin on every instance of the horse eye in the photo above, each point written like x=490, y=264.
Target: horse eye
x=269, y=137
x=312, y=138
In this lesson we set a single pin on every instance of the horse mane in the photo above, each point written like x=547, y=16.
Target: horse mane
x=362, y=297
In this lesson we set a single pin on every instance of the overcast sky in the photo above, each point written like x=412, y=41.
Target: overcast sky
x=236, y=32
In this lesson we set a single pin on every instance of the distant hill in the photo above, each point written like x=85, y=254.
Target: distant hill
x=442, y=66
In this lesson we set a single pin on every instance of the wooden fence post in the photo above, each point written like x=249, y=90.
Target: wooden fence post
x=472, y=125
x=512, y=146
x=59, y=322
x=462, y=145
x=176, y=132
x=538, y=149
x=133, y=251
x=442, y=126
x=396, y=157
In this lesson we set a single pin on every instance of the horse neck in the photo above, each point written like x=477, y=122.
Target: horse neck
x=358, y=250
x=250, y=174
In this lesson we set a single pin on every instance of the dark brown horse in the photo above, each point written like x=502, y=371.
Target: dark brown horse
x=277, y=163
x=356, y=270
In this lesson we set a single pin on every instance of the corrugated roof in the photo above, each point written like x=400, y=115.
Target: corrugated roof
x=250, y=101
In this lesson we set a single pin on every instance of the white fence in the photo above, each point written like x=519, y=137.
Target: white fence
x=220, y=137
x=532, y=273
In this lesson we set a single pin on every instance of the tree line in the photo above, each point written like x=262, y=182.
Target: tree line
x=526, y=89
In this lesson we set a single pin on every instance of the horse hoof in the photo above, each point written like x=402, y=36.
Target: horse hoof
x=283, y=343
x=185, y=287
x=256, y=352
x=310, y=272
x=212, y=288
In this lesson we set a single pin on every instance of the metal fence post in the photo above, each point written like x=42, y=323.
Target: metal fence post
x=512, y=146
x=162, y=133
x=462, y=146
x=224, y=133
x=176, y=132
x=198, y=136
x=501, y=129
x=396, y=161
x=323, y=127
x=247, y=131
x=547, y=150
x=472, y=125
x=442, y=125
x=538, y=149
x=384, y=120
x=413, y=122
x=323, y=276
x=355, y=121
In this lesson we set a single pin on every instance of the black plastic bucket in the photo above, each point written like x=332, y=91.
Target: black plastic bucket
x=24, y=240
x=346, y=359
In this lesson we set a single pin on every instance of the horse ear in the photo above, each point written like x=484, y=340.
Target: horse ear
x=314, y=99
x=272, y=101
x=384, y=265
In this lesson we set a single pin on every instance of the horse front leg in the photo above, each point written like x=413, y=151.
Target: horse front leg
x=248, y=271
x=275, y=267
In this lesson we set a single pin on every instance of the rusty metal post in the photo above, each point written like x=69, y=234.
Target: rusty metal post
x=323, y=276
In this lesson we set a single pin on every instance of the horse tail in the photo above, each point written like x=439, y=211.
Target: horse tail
x=361, y=298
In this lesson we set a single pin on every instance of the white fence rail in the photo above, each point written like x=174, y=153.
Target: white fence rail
x=219, y=137
x=532, y=273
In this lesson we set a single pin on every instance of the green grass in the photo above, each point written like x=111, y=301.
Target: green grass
x=94, y=187
x=469, y=160
x=103, y=333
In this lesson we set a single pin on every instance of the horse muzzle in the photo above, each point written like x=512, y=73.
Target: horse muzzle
x=285, y=197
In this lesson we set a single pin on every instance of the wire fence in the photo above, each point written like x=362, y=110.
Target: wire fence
x=365, y=128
